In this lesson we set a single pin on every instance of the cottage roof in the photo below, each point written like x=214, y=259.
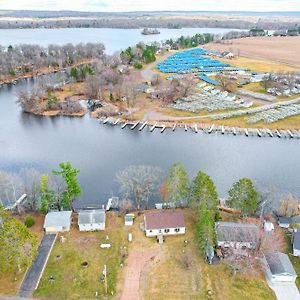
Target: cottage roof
x=296, y=220
x=164, y=219
x=296, y=241
x=236, y=232
x=58, y=219
x=285, y=220
x=95, y=216
x=279, y=263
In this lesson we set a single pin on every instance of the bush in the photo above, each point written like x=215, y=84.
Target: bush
x=29, y=221
x=138, y=65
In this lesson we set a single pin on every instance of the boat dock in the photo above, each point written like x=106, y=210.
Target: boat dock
x=222, y=129
x=163, y=128
x=143, y=126
x=134, y=125
x=278, y=133
x=258, y=132
x=153, y=127
x=116, y=122
x=124, y=125
x=174, y=127
x=196, y=128
x=211, y=128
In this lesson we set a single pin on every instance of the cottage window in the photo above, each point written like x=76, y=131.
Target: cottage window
x=167, y=230
x=150, y=230
x=177, y=229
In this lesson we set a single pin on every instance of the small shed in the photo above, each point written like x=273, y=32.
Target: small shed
x=296, y=244
x=279, y=267
x=164, y=222
x=57, y=221
x=91, y=220
x=268, y=227
x=284, y=222
x=129, y=219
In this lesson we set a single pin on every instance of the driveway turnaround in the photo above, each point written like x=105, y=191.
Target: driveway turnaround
x=285, y=290
x=34, y=273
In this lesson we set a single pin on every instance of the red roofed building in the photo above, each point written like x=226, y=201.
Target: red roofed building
x=164, y=222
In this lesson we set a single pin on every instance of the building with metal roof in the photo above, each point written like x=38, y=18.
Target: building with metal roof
x=296, y=243
x=57, y=221
x=91, y=220
x=279, y=267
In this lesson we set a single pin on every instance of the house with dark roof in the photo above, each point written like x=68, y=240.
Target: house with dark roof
x=279, y=267
x=284, y=222
x=236, y=235
x=91, y=220
x=164, y=223
x=296, y=243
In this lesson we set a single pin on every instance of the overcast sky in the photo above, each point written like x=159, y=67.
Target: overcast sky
x=152, y=5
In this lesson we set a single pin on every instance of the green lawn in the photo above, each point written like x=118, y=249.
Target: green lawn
x=73, y=281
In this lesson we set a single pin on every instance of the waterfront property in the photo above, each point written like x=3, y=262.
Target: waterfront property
x=91, y=220
x=129, y=219
x=57, y=221
x=237, y=235
x=279, y=267
x=164, y=223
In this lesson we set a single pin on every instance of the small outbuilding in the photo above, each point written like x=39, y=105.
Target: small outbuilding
x=268, y=227
x=284, y=222
x=279, y=267
x=91, y=220
x=296, y=243
x=164, y=223
x=129, y=219
x=57, y=221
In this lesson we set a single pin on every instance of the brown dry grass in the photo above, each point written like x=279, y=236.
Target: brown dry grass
x=281, y=50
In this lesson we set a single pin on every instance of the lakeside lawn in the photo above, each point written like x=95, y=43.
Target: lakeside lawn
x=180, y=273
x=71, y=280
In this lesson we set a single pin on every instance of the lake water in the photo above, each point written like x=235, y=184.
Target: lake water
x=113, y=39
x=100, y=151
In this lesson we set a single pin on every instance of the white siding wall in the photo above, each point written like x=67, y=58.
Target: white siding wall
x=91, y=227
x=155, y=232
x=296, y=252
x=283, y=225
x=56, y=229
x=283, y=278
x=128, y=223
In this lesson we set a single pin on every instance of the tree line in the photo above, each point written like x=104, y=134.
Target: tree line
x=22, y=59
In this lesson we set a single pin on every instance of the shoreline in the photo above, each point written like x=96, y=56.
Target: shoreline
x=201, y=128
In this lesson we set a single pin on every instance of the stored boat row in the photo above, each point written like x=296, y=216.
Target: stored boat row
x=209, y=129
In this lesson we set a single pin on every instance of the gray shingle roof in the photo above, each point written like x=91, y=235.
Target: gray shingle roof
x=284, y=220
x=95, y=216
x=279, y=263
x=236, y=232
x=296, y=242
x=58, y=218
x=296, y=220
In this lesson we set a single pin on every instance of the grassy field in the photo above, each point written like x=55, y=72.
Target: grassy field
x=181, y=274
x=71, y=279
x=258, y=65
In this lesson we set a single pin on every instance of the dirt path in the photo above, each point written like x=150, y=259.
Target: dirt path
x=136, y=261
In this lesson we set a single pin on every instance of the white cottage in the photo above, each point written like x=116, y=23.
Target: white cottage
x=279, y=267
x=57, y=221
x=237, y=235
x=129, y=219
x=284, y=222
x=164, y=223
x=91, y=220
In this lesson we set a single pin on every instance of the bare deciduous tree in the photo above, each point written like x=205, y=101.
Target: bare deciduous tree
x=139, y=183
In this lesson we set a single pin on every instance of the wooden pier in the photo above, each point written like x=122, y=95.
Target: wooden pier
x=134, y=125
x=163, y=128
x=124, y=125
x=258, y=132
x=185, y=127
x=290, y=133
x=278, y=133
x=223, y=129
x=106, y=120
x=196, y=128
x=211, y=128
x=246, y=132
x=234, y=131
x=153, y=127
x=174, y=127
x=143, y=126
x=116, y=122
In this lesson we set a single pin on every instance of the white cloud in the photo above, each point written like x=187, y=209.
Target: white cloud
x=152, y=5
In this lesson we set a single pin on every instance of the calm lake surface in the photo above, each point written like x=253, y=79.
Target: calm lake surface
x=100, y=151
x=113, y=39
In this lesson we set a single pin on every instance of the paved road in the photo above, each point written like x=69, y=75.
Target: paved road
x=285, y=290
x=34, y=273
